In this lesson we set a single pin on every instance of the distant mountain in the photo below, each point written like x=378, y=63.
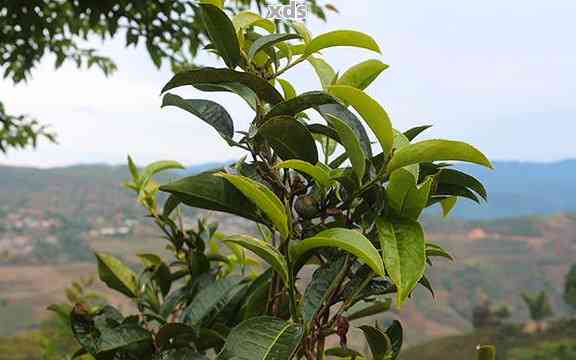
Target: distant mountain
x=523, y=188
x=515, y=188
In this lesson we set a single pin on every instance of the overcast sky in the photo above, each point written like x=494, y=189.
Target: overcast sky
x=499, y=74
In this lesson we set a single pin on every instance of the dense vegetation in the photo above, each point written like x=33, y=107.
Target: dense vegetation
x=351, y=210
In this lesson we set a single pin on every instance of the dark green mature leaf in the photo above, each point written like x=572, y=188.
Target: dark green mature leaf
x=319, y=129
x=404, y=253
x=122, y=336
x=211, y=76
x=300, y=103
x=380, y=344
x=116, y=274
x=363, y=74
x=222, y=33
x=436, y=150
x=438, y=251
x=348, y=240
x=181, y=354
x=208, y=299
x=341, y=112
x=455, y=177
x=455, y=190
x=233, y=87
x=169, y=333
x=206, y=191
x=262, y=338
x=289, y=138
x=210, y=112
x=341, y=38
x=267, y=41
x=415, y=131
x=396, y=335
x=351, y=144
x=374, y=115
x=264, y=199
x=371, y=309
x=324, y=281
x=264, y=251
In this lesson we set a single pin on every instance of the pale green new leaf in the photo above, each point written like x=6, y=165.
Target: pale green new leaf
x=341, y=38
x=263, y=250
x=319, y=174
x=262, y=338
x=117, y=275
x=348, y=240
x=437, y=150
x=287, y=89
x=374, y=115
x=351, y=145
x=155, y=168
x=404, y=253
x=405, y=196
x=246, y=19
x=363, y=74
x=323, y=70
x=263, y=198
x=448, y=204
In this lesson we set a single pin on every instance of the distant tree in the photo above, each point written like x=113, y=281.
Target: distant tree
x=485, y=315
x=570, y=288
x=33, y=29
x=539, y=307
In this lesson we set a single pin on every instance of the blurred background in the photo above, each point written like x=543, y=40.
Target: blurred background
x=497, y=74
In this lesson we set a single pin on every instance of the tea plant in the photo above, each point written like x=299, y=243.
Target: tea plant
x=323, y=193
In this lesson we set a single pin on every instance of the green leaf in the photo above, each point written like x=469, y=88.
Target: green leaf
x=380, y=344
x=301, y=30
x=405, y=197
x=208, y=111
x=319, y=174
x=263, y=250
x=208, y=299
x=348, y=240
x=300, y=103
x=436, y=150
x=351, y=145
x=344, y=353
x=341, y=112
x=156, y=167
x=236, y=88
x=262, y=338
x=217, y=3
x=268, y=41
x=415, y=131
x=287, y=88
x=206, y=191
x=246, y=19
x=374, y=115
x=222, y=33
x=396, y=335
x=362, y=75
x=211, y=76
x=289, y=138
x=448, y=204
x=122, y=336
x=133, y=170
x=320, y=289
x=324, y=71
x=437, y=250
x=404, y=253
x=264, y=199
x=182, y=354
x=455, y=177
x=171, y=332
x=116, y=275
x=400, y=142
x=372, y=309
x=341, y=38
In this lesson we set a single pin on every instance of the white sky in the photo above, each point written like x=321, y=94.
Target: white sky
x=499, y=74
